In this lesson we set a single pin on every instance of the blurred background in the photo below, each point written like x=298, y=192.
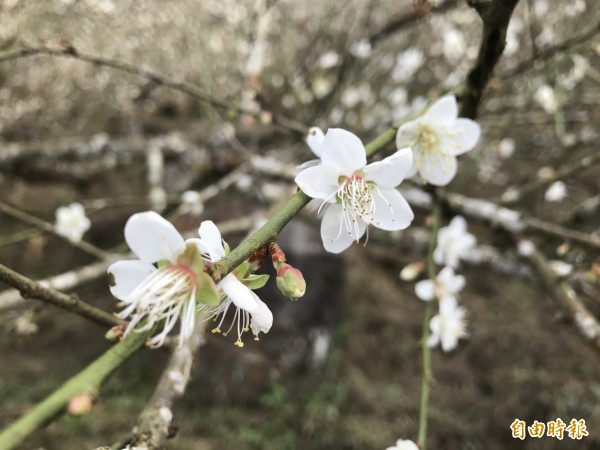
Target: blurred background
x=341, y=368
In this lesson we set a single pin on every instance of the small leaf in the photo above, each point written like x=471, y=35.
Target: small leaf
x=242, y=270
x=255, y=281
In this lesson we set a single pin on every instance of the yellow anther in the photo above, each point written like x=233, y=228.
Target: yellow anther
x=239, y=344
x=256, y=338
x=224, y=334
x=245, y=330
x=215, y=330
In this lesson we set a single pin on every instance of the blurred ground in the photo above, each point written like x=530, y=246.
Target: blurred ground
x=522, y=359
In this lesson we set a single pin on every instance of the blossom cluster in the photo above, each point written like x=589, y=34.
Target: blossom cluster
x=448, y=326
x=171, y=279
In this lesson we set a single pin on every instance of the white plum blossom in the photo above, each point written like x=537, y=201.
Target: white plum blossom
x=506, y=147
x=361, y=49
x=404, y=444
x=191, y=203
x=152, y=294
x=353, y=193
x=251, y=312
x=447, y=284
x=72, y=222
x=546, y=97
x=407, y=63
x=448, y=326
x=436, y=138
x=329, y=59
x=453, y=243
x=556, y=192
x=561, y=268
x=455, y=46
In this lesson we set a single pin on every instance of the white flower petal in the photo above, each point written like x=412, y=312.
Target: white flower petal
x=443, y=112
x=392, y=212
x=262, y=319
x=344, y=151
x=447, y=305
x=463, y=136
x=458, y=224
x=334, y=234
x=314, y=139
x=392, y=170
x=211, y=241
x=425, y=290
x=318, y=182
x=128, y=275
x=239, y=294
x=437, y=168
x=153, y=238
x=406, y=135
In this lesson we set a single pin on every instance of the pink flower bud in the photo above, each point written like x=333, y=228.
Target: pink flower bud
x=116, y=333
x=80, y=405
x=290, y=281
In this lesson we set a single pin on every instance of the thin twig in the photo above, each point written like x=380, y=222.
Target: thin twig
x=154, y=77
x=72, y=303
x=47, y=227
x=425, y=350
x=561, y=290
x=566, y=171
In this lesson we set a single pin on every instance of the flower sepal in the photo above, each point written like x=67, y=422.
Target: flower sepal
x=254, y=281
x=206, y=291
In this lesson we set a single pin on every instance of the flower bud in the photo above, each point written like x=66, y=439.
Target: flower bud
x=412, y=271
x=80, y=405
x=116, y=333
x=290, y=281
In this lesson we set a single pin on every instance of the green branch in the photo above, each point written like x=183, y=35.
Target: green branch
x=88, y=380
x=425, y=350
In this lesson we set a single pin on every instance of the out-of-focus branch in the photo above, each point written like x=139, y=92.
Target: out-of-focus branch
x=552, y=51
x=155, y=419
x=564, y=172
x=71, y=303
x=45, y=226
x=508, y=219
x=401, y=22
x=561, y=290
x=88, y=381
x=161, y=80
x=11, y=298
x=495, y=15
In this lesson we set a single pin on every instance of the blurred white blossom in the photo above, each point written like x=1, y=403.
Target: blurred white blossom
x=361, y=49
x=404, y=444
x=454, y=243
x=72, y=222
x=446, y=284
x=448, y=326
x=329, y=59
x=454, y=44
x=191, y=203
x=506, y=147
x=561, y=268
x=556, y=192
x=546, y=97
x=407, y=63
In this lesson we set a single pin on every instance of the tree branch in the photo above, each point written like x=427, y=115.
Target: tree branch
x=45, y=226
x=88, y=381
x=495, y=15
x=71, y=303
x=189, y=89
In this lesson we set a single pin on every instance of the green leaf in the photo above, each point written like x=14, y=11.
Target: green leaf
x=207, y=292
x=255, y=281
x=242, y=270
